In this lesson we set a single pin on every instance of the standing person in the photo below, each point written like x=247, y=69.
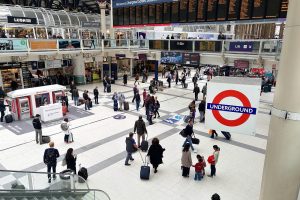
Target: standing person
x=204, y=91
x=201, y=109
x=96, y=95
x=76, y=96
x=156, y=107
x=199, y=168
x=14, y=85
x=140, y=129
x=86, y=100
x=121, y=100
x=130, y=148
x=137, y=77
x=105, y=83
x=196, y=91
x=125, y=77
x=37, y=125
x=144, y=97
x=151, y=110
x=192, y=108
x=72, y=88
x=176, y=77
x=65, y=127
x=169, y=79
x=50, y=159
x=115, y=99
x=215, y=197
x=71, y=160
x=186, y=160
x=2, y=109
x=195, y=79
x=183, y=81
x=189, y=132
x=214, y=161
x=156, y=154
x=137, y=100
x=2, y=93
x=135, y=90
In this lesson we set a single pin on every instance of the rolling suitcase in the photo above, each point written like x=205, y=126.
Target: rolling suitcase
x=9, y=118
x=145, y=144
x=145, y=169
x=45, y=139
x=126, y=105
x=186, y=85
x=108, y=89
x=227, y=135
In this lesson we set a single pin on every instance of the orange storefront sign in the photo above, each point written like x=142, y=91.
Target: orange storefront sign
x=42, y=45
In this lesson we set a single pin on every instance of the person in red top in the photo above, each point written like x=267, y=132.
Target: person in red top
x=144, y=96
x=199, y=168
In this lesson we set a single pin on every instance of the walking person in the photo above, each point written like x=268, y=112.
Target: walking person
x=186, y=160
x=140, y=129
x=189, y=133
x=204, y=91
x=213, y=160
x=169, y=80
x=2, y=109
x=199, y=168
x=183, y=79
x=96, y=95
x=86, y=100
x=121, y=100
x=65, y=127
x=176, y=77
x=196, y=91
x=137, y=77
x=37, y=125
x=192, y=108
x=71, y=160
x=76, y=96
x=155, y=154
x=130, y=148
x=105, y=83
x=50, y=159
x=151, y=110
x=72, y=88
x=201, y=109
x=195, y=79
x=137, y=101
x=144, y=97
x=125, y=77
x=156, y=107
x=135, y=90
x=115, y=99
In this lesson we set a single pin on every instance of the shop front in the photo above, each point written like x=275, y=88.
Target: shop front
x=11, y=76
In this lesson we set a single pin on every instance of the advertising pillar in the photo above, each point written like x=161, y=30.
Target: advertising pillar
x=79, y=72
x=281, y=174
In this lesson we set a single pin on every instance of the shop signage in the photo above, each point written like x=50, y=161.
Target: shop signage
x=21, y=20
x=42, y=44
x=91, y=24
x=181, y=45
x=13, y=44
x=120, y=56
x=242, y=64
x=241, y=46
x=51, y=64
x=232, y=106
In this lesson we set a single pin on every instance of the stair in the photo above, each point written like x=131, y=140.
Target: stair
x=42, y=195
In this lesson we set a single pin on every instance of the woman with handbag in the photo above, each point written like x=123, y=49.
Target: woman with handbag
x=156, y=154
x=212, y=160
x=71, y=160
x=186, y=160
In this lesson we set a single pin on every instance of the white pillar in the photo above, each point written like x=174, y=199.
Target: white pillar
x=281, y=175
x=102, y=6
x=79, y=71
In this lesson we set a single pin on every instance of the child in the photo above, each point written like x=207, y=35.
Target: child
x=199, y=168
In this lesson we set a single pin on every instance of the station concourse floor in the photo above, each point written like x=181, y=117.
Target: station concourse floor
x=100, y=146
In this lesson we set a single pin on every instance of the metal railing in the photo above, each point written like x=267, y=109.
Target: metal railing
x=36, y=183
x=255, y=47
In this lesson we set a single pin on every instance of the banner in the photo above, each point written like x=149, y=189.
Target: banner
x=15, y=44
x=42, y=44
x=51, y=64
x=69, y=44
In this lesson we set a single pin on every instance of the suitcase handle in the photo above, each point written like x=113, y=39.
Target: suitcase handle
x=144, y=162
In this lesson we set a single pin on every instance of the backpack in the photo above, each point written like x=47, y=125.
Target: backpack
x=50, y=156
x=64, y=126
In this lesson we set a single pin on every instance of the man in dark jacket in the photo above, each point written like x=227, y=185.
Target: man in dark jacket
x=189, y=132
x=201, y=109
x=130, y=148
x=2, y=93
x=204, y=91
x=196, y=91
x=140, y=129
x=2, y=108
x=135, y=90
x=195, y=79
x=72, y=88
x=37, y=125
x=96, y=95
x=50, y=159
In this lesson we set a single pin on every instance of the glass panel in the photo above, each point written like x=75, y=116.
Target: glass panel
x=29, y=13
x=40, y=16
x=82, y=18
x=56, y=19
x=74, y=20
x=64, y=19
x=4, y=12
x=16, y=11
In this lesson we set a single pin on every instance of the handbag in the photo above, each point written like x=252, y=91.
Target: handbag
x=211, y=159
x=195, y=140
x=64, y=162
x=182, y=133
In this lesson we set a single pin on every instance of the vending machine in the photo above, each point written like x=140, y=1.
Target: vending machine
x=57, y=96
x=24, y=108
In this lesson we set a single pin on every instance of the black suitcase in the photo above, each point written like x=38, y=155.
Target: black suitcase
x=45, y=139
x=82, y=173
x=185, y=171
x=195, y=140
x=145, y=169
x=9, y=118
x=126, y=105
x=91, y=104
x=145, y=144
x=108, y=89
x=226, y=134
x=186, y=85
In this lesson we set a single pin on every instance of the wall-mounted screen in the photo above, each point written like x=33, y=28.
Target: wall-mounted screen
x=171, y=58
x=259, y=7
x=211, y=10
x=246, y=9
x=121, y=16
x=273, y=8
x=175, y=14
x=132, y=15
x=167, y=13
x=159, y=14
x=183, y=10
x=201, y=10
x=145, y=13
x=138, y=14
x=192, y=11
x=151, y=14
x=222, y=10
x=126, y=16
x=234, y=9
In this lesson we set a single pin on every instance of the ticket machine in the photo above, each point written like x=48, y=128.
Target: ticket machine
x=24, y=106
x=57, y=96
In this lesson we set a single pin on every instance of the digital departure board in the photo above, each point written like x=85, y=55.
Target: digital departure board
x=151, y=14
x=126, y=16
x=183, y=9
x=259, y=7
x=115, y=17
x=121, y=16
x=211, y=14
x=201, y=10
x=145, y=13
x=192, y=8
x=284, y=8
x=167, y=13
x=138, y=14
x=132, y=15
x=222, y=10
x=234, y=9
x=159, y=14
x=175, y=14
x=246, y=9
x=273, y=8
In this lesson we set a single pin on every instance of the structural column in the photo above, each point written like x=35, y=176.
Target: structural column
x=79, y=71
x=102, y=6
x=281, y=175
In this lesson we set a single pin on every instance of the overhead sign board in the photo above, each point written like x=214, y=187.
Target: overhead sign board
x=21, y=20
x=232, y=104
x=91, y=24
x=126, y=3
x=241, y=46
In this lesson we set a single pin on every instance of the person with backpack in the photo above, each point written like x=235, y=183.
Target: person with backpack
x=140, y=129
x=189, y=132
x=199, y=168
x=186, y=160
x=155, y=154
x=130, y=148
x=37, y=125
x=50, y=159
x=201, y=109
x=212, y=160
x=65, y=127
x=196, y=91
x=137, y=77
x=70, y=159
x=135, y=90
x=96, y=95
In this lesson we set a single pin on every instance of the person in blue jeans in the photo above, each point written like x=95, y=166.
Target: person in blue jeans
x=199, y=168
x=130, y=148
x=137, y=100
x=189, y=132
x=50, y=159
